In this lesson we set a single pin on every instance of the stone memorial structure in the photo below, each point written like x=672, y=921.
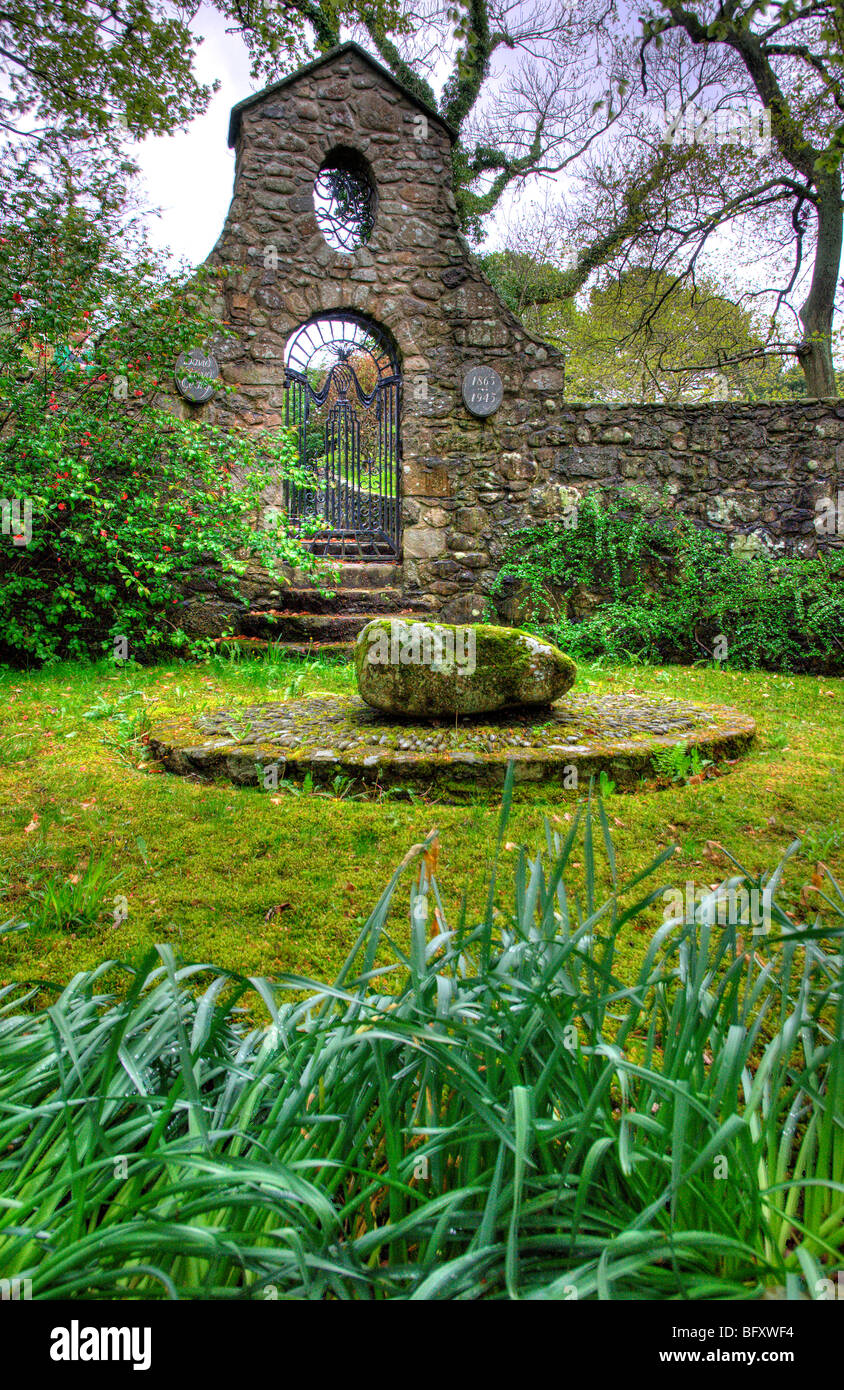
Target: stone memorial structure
x=433, y=422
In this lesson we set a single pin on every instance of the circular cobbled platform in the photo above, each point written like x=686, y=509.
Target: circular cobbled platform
x=326, y=735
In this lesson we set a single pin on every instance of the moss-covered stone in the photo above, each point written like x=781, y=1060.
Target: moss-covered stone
x=435, y=669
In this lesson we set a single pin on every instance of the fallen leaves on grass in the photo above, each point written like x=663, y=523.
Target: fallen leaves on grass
x=814, y=886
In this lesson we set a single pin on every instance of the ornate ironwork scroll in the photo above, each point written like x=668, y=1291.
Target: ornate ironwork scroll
x=344, y=203
x=343, y=395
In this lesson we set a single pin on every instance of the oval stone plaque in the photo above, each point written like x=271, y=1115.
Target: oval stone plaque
x=482, y=390
x=190, y=365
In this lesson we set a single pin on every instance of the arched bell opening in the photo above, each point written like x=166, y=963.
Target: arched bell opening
x=343, y=396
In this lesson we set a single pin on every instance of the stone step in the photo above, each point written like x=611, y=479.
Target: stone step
x=285, y=626
x=346, y=575
x=355, y=548
x=309, y=600
x=259, y=646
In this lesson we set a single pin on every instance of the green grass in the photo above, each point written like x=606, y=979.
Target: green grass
x=266, y=883
x=510, y=1120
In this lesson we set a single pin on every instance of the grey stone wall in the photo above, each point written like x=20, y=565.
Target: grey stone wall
x=754, y=471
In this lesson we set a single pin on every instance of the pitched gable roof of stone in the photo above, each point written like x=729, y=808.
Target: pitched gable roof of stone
x=329, y=57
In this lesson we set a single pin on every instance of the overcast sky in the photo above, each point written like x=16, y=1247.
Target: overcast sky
x=189, y=176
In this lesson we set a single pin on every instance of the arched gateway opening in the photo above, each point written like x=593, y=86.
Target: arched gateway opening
x=342, y=394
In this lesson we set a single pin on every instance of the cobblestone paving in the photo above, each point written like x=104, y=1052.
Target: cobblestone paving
x=328, y=733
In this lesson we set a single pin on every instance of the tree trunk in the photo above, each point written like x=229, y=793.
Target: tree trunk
x=815, y=350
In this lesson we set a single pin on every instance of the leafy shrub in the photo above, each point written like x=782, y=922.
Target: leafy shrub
x=126, y=497
x=671, y=589
x=514, y=1119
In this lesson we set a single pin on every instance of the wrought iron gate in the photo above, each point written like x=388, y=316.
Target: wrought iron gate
x=343, y=395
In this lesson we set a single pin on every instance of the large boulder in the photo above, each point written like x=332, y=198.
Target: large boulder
x=434, y=669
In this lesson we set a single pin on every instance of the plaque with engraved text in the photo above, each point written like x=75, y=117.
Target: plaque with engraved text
x=190, y=366
x=482, y=390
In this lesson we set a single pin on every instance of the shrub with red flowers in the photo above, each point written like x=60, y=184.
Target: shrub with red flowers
x=127, y=491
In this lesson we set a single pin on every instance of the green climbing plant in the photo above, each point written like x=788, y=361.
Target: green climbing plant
x=662, y=588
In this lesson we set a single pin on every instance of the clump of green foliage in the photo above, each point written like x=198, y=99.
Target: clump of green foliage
x=511, y=1120
x=673, y=591
x=111, y=495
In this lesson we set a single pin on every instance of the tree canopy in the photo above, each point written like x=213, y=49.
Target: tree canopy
x=634, y=338
x=583, y=96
